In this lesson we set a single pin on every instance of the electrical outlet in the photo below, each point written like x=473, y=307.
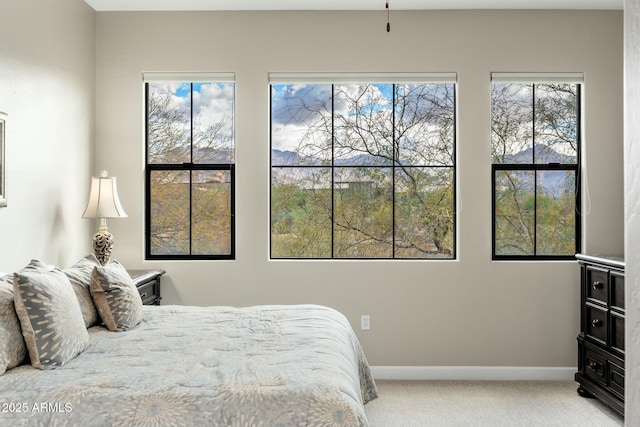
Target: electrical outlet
x=365, y=322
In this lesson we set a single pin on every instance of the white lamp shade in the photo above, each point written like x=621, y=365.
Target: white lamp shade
x=103, y=199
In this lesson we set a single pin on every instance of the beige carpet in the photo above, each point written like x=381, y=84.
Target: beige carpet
x=486, y=403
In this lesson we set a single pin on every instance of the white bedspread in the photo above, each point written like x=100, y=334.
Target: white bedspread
x=197, y=366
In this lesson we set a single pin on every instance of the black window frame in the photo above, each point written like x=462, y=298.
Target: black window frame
x=189, y=167
x=535, y=168
x=393, y=166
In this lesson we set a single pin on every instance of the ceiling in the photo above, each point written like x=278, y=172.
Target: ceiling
x=162, y=5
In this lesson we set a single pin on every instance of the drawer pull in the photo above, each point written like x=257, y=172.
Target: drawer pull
x=596, y=366
x=143, y=295
x=597, y=285
x=596, y=323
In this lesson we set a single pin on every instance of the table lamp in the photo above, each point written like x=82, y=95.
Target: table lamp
x=103, y=203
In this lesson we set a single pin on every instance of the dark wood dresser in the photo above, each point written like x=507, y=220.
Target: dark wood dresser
x=148, y=284
x=601, y=339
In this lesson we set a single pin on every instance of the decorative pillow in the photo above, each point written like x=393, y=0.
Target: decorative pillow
x=79, y=275
x=13, y=350
x=50, y=317
x=12, y=347
x=116, y=297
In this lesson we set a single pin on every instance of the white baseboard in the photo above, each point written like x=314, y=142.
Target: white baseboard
x=484, y=373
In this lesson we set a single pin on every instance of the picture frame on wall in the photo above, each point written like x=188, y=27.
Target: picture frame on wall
x=3, y=163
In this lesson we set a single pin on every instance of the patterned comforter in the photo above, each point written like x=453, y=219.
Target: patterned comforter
x=203, y=366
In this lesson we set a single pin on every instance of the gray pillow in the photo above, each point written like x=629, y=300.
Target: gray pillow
x=116, y=297
x=12, y=347
x=50, y=317
x=79, y=275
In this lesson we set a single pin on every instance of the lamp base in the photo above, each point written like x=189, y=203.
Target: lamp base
x=102, y=246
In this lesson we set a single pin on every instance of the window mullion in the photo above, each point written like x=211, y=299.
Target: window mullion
x=394, y=147
x=578, y=189
x=333, y=140
x=535, y=212
x=191, y=170
x=535, y=171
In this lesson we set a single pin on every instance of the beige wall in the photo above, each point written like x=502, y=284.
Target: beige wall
x=470, y=311
x=47, y=87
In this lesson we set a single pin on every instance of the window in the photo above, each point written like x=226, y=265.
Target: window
x=190, y=166
x=535, y=148
x=363, y=169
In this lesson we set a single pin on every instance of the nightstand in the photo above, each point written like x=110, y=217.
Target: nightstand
x=148, y=284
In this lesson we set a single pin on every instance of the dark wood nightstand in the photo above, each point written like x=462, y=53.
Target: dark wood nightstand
x=148, y=284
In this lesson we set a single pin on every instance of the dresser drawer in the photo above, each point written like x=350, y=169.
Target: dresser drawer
x=596, y=324
x=597, y=284
x=616, y=281
x=148, y=292
x=616, y=379
x=617, y=331
x=595, y=367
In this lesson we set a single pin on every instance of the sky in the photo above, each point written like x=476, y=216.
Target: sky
x=211, y=102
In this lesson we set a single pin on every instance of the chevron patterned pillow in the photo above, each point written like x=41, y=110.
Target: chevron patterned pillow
x=50, y=317
x=116, y=297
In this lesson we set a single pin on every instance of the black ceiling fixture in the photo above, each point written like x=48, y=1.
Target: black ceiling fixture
x=388, y=24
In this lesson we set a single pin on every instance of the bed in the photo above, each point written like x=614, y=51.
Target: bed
x=297, y=365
